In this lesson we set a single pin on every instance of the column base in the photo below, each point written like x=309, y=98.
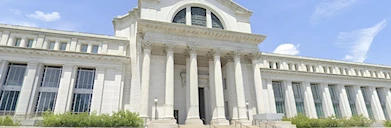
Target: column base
x=163, y=124
x=193, y=121
x=145, y=119
x=219, y=122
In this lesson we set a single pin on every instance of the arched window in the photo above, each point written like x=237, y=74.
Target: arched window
x=198, y=16
x=216, y=22
x=180, y=17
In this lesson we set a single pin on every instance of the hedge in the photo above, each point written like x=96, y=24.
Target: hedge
x=8, y=121
x=387, y=123
x=301, y=121
x=116, y=119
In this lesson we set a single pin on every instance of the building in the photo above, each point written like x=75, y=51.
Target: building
x=184, y=61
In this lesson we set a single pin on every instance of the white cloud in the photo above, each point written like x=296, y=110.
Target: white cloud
x=357, y=42
x=288, y=49
x=48, y=17
x=330, y=7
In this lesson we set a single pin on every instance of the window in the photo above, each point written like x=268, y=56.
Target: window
x=362, y=72
x=95, y=49
x=8, y=102
x=46, y=102
x=225, y=83
x=15, y=74
x=277, y=65
x=367, y=101
x=315, y=88
x=341, y=71
x=270, y=64
x=30, y=43
x=51, y=45
x=346, y=71
x=297, y=91
x=375, y=74
x=63, y=46
x=198, y=16
x=308, y=68
x=296, y=67
x=325, y=69
x=381, y=97
x=83, y=90
x=17, y=42
x=331, y=70
x=290, y=66
x=48, y=90
x=226, y=110
x=314, y=69
x=84, y=48
x=180, y=17
x=279, y=96
x=351, y=99
x=51, y=76
x=335, y=99
x=216, y=22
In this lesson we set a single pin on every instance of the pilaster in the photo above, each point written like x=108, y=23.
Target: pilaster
x=309, y=103
x=375, y=104
x=65, y=93
x=343, y=101
x=361, y=107
x=326, y=99
x=272, y=101
x=145, y=79
x=387, y=94
x=97, y=93
x=290, y=103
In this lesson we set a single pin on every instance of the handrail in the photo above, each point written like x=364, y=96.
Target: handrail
x=240, y=124
x=266, y=124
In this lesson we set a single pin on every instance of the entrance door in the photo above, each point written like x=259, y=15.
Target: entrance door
x=201, y=102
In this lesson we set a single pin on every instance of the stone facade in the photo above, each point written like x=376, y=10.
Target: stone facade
x=210, y=73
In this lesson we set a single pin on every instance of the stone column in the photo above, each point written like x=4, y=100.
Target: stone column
x=3, y=71
x=290, y=103
x=375, y=103
x=326, y=99
x=387, y=94
x=258, y=83
x=309, y=103
x=26, y=92
x=241, y=99
x=219, y=117
x=360, y=103
x=169, y=104
x=97, y=93
x=193, y=116
x=343, y=101
x=272, y=101
x=145, y=79
x=65, y=90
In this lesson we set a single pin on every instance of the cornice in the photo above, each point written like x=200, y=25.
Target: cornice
x=239, y=10
x=35, y=51
x=319, y=60
x=323, y=75
x=199, y=32
x=60, y=32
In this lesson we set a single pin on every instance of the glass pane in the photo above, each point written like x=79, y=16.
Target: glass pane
x=85, y=78
x=17, y=41
x=84, y=48
x=15, y=74
x=180, y=17
x=95, y=49
x=30, y=43
x=198, y=16
x=8, y=101
x=63, y=46
x=216, y=22
x=51, y=45
x=81, y=103
x=51, y=76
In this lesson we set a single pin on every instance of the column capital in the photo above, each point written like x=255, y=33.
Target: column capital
x=213, y=53
x=191, y=50
x=233, y=55
x=147, y=45
x=169, y=48
x=253, y=56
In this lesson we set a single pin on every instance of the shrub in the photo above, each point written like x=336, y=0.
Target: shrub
x=116, y=119
x=387, y=123
x=8, y=121
x=301, y=121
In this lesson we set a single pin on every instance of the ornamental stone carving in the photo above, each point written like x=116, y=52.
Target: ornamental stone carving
x=169, y=48
x=147, y=45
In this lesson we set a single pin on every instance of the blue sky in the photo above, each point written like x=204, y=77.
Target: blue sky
x=351, y=30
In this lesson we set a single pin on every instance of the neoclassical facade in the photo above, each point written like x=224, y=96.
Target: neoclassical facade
x=180, y=61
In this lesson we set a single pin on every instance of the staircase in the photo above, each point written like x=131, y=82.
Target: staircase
x=238, y=124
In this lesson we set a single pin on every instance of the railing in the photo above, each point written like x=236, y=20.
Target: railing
x=241, y=125
x=264, y=124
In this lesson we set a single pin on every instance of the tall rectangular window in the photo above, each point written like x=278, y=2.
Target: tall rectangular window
x=325, y=69
x=277, y=65
x=308, y=68
x=351, y=99
x=83, y=90
x=279, y=96
x=30, y=43
x=315, y=88
x=95, y=49
x=382, y=100
x=297, y=92
x=335, y=99
x=270, y=64
x=48, y=90
x=15, y=74
x=63, y=46
x=8, y=102
x=368, y=101
x=51, y=45
x=84, y=48
x=17, y=42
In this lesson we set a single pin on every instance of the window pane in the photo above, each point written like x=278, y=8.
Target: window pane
x=8, y=101
x=95, y=49
x=51, y=76
x=297, y=91
x=63, y=46
x=46, y=101
x=51, y=45
x=84, y=48
x=318, y=100
x=17, y=42
x=180, y=17
x=85, y=78
x=198, y=16
x=279, y=96
x=216, y=22
x=30, y=43
x=15, y=74
x=81, y=103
